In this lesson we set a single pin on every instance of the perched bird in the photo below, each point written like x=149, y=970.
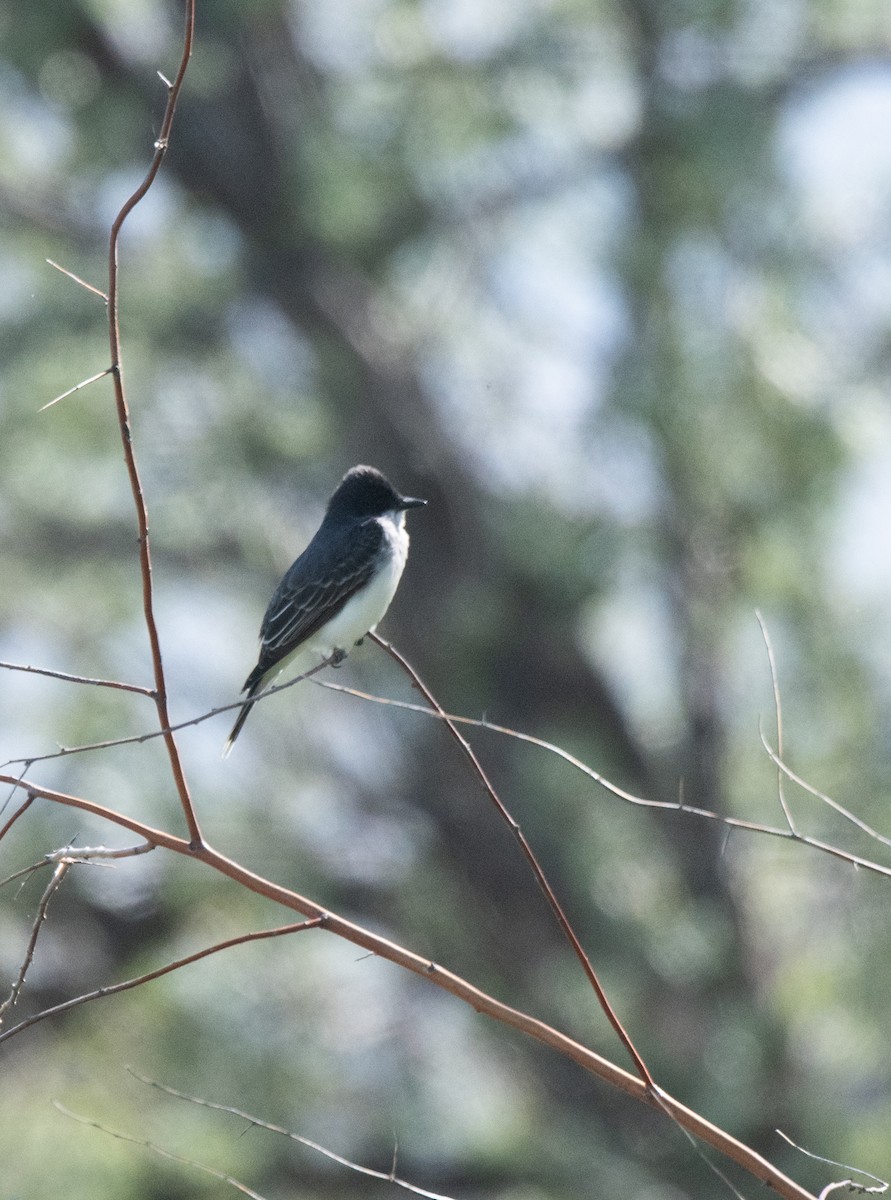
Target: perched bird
x=340, y=586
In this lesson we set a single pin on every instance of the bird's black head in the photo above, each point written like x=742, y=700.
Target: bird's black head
x=365, y=492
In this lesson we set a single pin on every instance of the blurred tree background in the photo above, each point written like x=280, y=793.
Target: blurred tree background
x=609, y=285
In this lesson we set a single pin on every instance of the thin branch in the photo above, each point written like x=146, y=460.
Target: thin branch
x=778, y=709
x=77, y=279
x=114, y=337
x=811, y=790
x=529, y=855
x=137, y=739
x=19, y=812
x=147, y=1145
x=88, y=855
x=706, y=814
x=481, y=723
x=77, y=387
x=66, y=678
x=50, y=890
x=879, y=1190
x=784, y=834
x=23, y=872
x=463, y=990
x=158, y=836
x=700, y=1152
x=139, y=980
x=387, y=1176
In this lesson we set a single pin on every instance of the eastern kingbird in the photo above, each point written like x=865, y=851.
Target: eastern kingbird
x=340, y=586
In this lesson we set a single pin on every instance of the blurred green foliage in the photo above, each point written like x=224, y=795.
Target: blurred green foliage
x=608, y=285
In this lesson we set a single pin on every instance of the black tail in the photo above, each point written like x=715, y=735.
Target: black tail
x=236, y=728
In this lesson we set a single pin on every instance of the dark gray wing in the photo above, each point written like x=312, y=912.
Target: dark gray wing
x=325, y=576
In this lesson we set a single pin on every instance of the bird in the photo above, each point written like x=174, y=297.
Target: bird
x=340, y=586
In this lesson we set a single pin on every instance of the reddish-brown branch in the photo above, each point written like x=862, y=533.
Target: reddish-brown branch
x=529, y=855
x=480, y=1001
x=114, y=337
x=19, y=812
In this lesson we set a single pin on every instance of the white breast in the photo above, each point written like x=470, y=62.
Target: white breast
x=361, y=614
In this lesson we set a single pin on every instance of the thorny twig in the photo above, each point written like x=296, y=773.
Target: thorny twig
x=67, y=678
x=707, y=814
x=139, y=980
x=528, y=853
x=387, y=1176
x=137, y=739
x=879, y=1188
x=168, y=1154
x=51, y=888
x=778, y=709
x=461, y=988
x=114, y=337
x=19, y=812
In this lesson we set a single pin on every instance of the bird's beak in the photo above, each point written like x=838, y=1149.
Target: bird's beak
x=411, y=502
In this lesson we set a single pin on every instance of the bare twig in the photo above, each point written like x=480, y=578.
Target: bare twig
x=529, y=855
x=776, y=758
x=784, y=834
x=77, y=279
x=65, y=677
x=85, y=856
x=778, y=709
x=700, y=1152
x=50, y=890
x=24, y=872
x=77, y=387
x=139, y=980
x=728, y=822
x=387, y=1176
x=881, y=1185
x=168, y=1154
x=88, y=854
x=114, y=337
x=681, y=806
x=137, y=739
x=19, y=812
x=463, y=990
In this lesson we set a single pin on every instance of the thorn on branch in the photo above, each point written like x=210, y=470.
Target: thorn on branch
x=77, y=279
x=77, y=387
x=50, y=890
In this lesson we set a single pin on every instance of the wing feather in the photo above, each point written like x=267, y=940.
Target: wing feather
x=313, y=591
